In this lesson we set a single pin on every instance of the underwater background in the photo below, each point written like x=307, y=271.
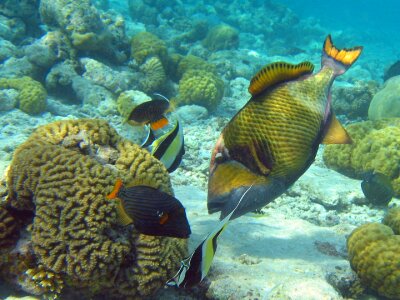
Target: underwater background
x=76, y=69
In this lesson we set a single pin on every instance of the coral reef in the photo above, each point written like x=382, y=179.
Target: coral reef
x=386, y=102
x=221, y=37
x=200, y=87
x=374, y=148
x=32, y=95
x=146, y=44
x=62, y=174
x=192, y=62
x=154, y=76
x=354, y=101
x=373, y=254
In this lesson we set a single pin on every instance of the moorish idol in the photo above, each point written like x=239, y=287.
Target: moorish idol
x=195, y=267
x=168, y=148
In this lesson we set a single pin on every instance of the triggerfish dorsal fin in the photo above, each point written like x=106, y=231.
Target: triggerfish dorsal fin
x=335, y=133
x=278, y=72
x=115, y=191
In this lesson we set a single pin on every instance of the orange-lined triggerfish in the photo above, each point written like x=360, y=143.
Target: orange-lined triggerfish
x=274, y=138
x=150, y=112
x=151, y=211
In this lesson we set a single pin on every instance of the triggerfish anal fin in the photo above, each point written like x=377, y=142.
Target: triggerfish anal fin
x=278, y=72
x=195, y=267
x=335, y=133
x=340, y=59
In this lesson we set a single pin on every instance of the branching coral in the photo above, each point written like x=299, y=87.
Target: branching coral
x=76, y=236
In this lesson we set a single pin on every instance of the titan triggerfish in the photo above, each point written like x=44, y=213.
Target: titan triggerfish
x=275, y=137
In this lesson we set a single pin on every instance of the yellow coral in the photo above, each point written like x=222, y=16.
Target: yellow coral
x=146, y=44
x=392, y=219
x=201, y=88
x=32, y=95
x=374, y=255
x=192, y=62
x=375, y=148
x=75, y=233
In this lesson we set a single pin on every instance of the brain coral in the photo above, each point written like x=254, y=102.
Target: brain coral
x=146, y=44
x=32, y=95
x=374, y=255
x=200, y=87
x=154, y=75
x=386, y=102
x=375, y=148
x=62, y=174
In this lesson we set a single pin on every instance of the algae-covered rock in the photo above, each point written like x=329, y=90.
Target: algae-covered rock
x=221, y=37
x=375, y=147
x=32, y=95
x=386, y=102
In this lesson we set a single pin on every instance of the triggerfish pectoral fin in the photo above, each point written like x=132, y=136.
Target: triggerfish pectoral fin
x=335, y=133
x=227, y=183
x=195, y=267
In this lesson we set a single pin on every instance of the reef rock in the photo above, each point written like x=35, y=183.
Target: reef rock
x=386, y=102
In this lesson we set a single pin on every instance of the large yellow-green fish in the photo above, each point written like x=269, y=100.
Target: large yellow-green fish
x=274, y=138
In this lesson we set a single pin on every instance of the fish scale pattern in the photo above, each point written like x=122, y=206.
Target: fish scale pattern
x=75, y=233
x=292, y=116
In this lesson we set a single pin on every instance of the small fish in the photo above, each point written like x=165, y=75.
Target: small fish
x=275, y=137
x=151, y=112
x=377, y=188
x=195, y=267
x=168, y=148
x=151, y=211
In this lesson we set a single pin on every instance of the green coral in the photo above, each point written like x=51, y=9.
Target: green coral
x=192, y=62
x=374, y=255
x=221, y=37
x=374, y=148
x=200, y=87
x=386, y=102
x=62, y=174
x=154, y=75
x=392, y=219
x=32, y=95
x=146, y=44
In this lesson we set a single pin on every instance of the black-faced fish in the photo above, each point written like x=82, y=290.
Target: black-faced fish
x=195, y=267
x=274, y=138
x=377, y=188
x=168, y=148
x=151, y=211
x=150, y=112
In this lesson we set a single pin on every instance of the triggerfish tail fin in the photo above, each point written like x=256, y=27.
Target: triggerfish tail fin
x=226, y=184
x=160, y=123
x=335, y=133
x=339, y=59
x=195, y=267
x=115, y=191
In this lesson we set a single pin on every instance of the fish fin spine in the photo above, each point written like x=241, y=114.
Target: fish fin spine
x=278, y=72
x=339, y=59
x=115, y=191
x=160, y=123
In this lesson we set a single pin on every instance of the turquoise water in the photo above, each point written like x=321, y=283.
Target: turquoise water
x=62, y=237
